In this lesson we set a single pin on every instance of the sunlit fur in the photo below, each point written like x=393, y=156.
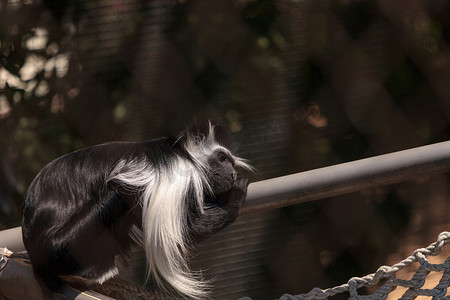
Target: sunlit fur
x=164, y=194
x=108, y=275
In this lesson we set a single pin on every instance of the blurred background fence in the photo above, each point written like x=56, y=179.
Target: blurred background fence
x=301, y=84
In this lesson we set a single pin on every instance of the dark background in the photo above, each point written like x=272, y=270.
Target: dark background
x=300, y=84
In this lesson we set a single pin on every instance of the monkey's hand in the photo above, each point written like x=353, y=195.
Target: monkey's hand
x=238, y=192
x=217, y=217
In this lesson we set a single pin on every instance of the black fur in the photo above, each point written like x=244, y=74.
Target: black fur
x=75, y=222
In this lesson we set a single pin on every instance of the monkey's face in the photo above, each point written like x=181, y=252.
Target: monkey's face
x=222, y=175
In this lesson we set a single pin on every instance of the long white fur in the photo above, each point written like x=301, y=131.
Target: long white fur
x=164, y=210
x=108, y=275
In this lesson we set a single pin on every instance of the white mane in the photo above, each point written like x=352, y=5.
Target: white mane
x=164, y=191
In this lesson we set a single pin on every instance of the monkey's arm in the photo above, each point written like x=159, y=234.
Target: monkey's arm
x=223, y=211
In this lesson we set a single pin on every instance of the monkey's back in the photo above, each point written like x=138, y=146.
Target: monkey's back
x=74, y=221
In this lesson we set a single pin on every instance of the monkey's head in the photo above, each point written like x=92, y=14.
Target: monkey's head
x=211, y=147
x=222, y=174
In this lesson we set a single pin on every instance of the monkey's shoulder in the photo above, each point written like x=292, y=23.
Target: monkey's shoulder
x=113, y=151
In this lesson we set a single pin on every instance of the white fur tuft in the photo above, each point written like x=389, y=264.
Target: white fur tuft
x=164, y=206
x=108, y=275
x=164, y=191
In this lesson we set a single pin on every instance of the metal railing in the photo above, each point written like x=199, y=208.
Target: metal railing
x=347, y=177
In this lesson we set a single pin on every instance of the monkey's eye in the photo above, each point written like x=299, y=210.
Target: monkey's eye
x=222, y=156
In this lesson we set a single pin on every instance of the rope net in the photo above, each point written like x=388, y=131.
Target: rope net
x=387, y=275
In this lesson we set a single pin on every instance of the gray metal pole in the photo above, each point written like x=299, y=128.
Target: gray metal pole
x=12, y=239
x=347, y=177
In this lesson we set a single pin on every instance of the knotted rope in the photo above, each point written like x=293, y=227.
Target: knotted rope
x=414, y=285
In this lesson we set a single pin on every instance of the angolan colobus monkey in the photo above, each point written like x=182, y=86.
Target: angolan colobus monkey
x=86, y=209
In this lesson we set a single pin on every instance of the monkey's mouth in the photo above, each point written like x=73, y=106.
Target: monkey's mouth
x=221, y=183
x=231, y=179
